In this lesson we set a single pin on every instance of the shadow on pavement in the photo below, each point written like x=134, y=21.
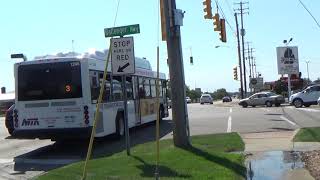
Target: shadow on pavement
x=282, y=129
x=240, y=170
x=273, y=114
x=62, y=153
x=279, y=120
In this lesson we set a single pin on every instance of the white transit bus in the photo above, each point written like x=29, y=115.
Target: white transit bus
x=56, y=97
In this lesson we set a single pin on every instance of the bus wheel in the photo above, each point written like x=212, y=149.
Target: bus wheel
x=9, y=124
x=161, y=113
x=120, y=125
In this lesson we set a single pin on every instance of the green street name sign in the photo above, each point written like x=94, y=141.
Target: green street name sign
x=122, y=30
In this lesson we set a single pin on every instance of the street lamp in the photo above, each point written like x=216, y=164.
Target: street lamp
x=289, y=80
x=218, y=46
x=287, y=42
x=307, y=62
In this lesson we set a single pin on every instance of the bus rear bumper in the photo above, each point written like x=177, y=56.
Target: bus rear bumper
x=54, y=134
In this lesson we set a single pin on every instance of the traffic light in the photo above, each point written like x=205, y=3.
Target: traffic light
x=191, y=60
x=235, y=73
x=223, y=35
x=216, y=22
x=207, y=9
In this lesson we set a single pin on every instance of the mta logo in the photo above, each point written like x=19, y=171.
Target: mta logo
x=30, y=122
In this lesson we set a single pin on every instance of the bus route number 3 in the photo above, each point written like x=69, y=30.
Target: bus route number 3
x=68, y=88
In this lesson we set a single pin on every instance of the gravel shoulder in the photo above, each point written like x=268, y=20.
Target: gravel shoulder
x=312, y=162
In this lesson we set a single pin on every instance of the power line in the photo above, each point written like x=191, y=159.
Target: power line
x=309, y=13
x=223, y=15
x=115, y=17
x=229, y=7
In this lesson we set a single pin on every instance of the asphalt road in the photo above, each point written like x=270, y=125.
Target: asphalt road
x=22, y=159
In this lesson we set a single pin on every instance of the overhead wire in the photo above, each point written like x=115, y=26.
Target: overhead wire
x=223, y=15
x=229, y=7
x=96, y=117
x=315, y=20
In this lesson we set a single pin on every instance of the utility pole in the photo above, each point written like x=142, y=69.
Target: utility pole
x=255, y=67
x=239, y=56
x=252, y=64
x=172, y=25
x=242, y=36
x=249, y=57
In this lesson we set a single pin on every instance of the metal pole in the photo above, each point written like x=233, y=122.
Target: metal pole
x=176, y=71
x=125, y=112
x=308, y=70
x=244, y=62
x=239, y=56
x=252, y=62
x=250, y=75
x=289, y=85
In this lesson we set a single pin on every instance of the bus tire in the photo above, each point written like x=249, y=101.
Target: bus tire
x=120, y=129
x=9, y=124
x=161, y=113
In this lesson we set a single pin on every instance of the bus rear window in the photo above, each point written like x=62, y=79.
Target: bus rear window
x=58, y=80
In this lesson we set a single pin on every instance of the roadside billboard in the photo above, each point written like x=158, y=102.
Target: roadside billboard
x=256, y=83
x=288, y=60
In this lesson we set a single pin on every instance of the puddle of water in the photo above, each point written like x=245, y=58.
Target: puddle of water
x=272, y=165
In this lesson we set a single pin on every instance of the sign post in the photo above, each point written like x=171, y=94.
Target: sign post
x=123, y=63
x=288, y=63
x=256, y=83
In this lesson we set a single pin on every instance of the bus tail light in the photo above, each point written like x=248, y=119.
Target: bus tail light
x=15, y=118
x=86, y=115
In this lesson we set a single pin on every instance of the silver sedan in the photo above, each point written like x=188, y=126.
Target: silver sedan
x=262, y=99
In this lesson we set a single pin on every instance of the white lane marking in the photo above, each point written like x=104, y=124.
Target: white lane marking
x=309, y=110
x=230, y=110
x=284, y=118
x=304, y=109
x=4, y=161
x=268, y=110
x=229, y=124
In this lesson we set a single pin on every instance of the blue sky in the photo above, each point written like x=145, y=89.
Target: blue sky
x=47, y=27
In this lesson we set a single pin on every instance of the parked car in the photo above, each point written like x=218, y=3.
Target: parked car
x=262, y=99
x=319, y=101
x=307, y=97
x=206, y=98
x=226, y=99
x=9, y=119
x=188, y=99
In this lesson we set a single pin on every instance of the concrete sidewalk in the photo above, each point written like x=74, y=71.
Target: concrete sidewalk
x=268, y=142
x=276, y=141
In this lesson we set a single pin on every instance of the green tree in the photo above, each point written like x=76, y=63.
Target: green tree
x=194, y=95
x=219, y=94
x=280, y=87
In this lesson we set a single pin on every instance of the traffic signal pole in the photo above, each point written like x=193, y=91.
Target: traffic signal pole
x=176, y=70
x=239, y=56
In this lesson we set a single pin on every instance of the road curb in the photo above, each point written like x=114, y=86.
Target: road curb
x=46, y=161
